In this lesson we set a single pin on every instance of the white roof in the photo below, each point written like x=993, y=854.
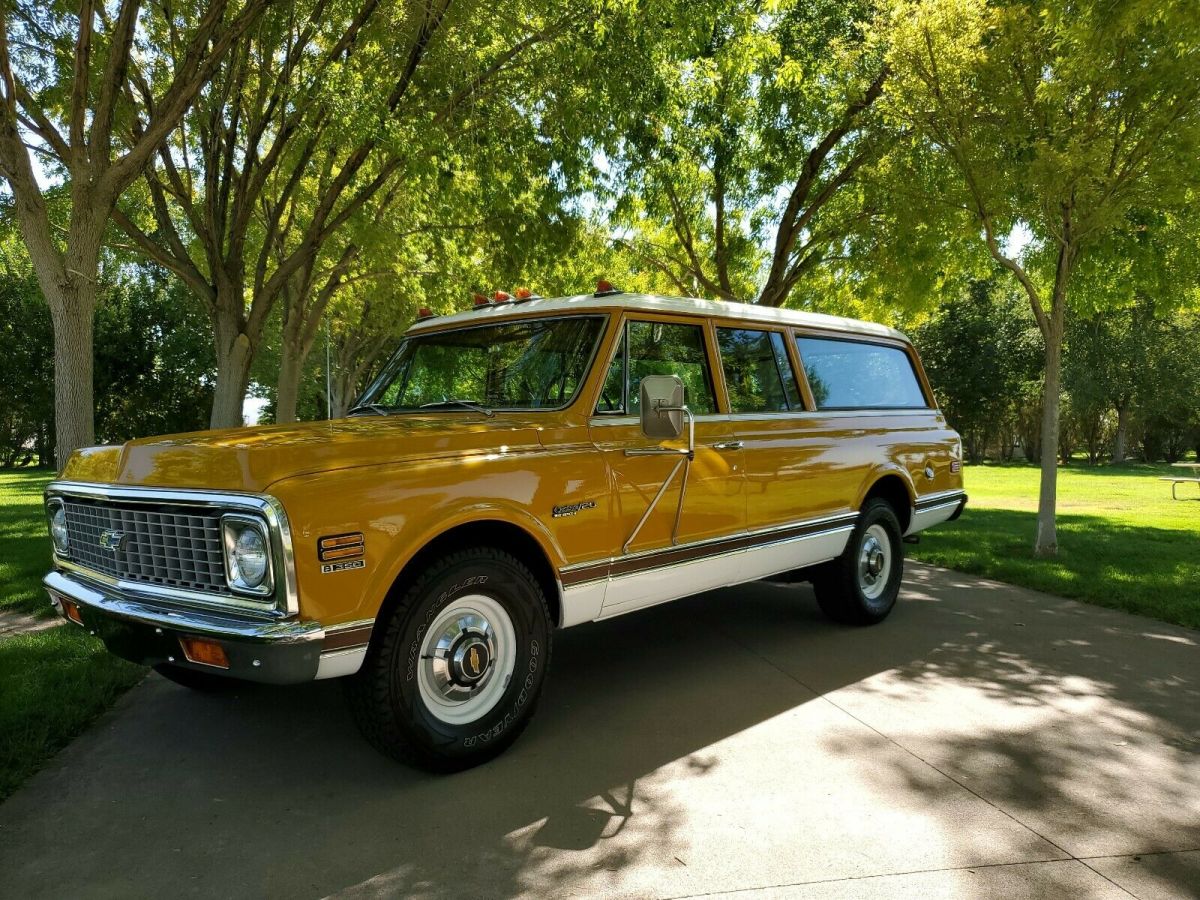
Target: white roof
x=656, y=303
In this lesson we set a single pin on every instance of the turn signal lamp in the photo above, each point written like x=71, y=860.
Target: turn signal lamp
x=71, y=610
x=206, y=653
x=603, y=288
x=501, y=297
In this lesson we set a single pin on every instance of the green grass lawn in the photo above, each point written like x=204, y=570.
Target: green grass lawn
x=55, y=682
x=24, y=543
x=1123, y=542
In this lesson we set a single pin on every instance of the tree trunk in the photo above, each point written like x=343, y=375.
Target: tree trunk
x=1046, y=542
x=234, y=354
x=1121, y=437
x=342, y=395
x=74, y=411
x=291, y=365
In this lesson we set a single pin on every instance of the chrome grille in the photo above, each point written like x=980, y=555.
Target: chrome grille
x=166, y=545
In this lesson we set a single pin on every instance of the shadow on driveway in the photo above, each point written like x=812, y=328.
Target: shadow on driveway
x=734, y=739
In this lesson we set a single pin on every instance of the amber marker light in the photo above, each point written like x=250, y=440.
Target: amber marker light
x=424, y=313
x=501, y=297
x=71, y=610
x=480, y=300
x=340, y=546
x=603, y=287
x=206, y=653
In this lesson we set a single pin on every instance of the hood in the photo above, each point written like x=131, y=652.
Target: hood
x=251, y=459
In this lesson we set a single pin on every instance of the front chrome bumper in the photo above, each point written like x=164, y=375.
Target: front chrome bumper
x=148, y=632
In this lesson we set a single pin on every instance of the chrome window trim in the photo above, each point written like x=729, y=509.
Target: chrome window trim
x=285, y=601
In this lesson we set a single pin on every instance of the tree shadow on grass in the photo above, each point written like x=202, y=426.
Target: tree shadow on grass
x=1135, y=568
x=1081, y=722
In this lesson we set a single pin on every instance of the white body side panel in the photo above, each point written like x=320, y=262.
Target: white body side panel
x=610, y=597
x=337, y=663
x=793, y=554
x=582, y=603
x=933, y=515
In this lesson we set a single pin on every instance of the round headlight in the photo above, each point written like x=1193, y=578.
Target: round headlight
x=58, y=529
x=250, y=557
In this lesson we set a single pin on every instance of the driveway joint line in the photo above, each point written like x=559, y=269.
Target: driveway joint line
x=926, y=762
x=905, y=874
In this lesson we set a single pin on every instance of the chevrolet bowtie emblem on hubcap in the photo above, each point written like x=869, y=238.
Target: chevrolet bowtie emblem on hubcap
x=112, y=540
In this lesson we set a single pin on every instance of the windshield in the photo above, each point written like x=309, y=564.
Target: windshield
x=524, y=364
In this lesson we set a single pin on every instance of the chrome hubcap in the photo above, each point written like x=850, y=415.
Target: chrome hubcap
x=874, y=562
x=467, y=659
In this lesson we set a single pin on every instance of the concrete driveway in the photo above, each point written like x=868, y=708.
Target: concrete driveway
x=986, y=741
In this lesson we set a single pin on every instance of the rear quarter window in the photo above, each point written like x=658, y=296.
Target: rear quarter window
x=848, y=374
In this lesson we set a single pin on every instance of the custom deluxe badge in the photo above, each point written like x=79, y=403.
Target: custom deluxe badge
x=570, y=509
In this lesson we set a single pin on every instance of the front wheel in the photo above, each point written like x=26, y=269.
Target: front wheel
x=457, y=669
x=860, y=587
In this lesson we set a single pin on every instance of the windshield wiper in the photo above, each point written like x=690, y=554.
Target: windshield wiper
x=378, y=408
x=466, y=404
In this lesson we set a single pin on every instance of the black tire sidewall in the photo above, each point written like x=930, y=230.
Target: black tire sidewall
x=877, y=513
x=508, y=584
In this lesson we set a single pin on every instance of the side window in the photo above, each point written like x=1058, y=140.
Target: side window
x=846, y=374
x=757, y=370
x=612, y=394
x=659, y=348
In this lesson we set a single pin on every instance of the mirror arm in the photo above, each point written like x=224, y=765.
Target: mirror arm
x=685, y=461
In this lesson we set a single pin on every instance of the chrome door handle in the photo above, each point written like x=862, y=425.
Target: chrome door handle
x=728, y=445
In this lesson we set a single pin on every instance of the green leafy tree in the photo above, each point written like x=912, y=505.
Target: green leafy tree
x=978, y=350
x=69, y=80
x=317, y=112
x=1070, y=121
x=743, y=180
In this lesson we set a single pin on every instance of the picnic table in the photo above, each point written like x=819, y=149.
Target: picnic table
x=1177, y=480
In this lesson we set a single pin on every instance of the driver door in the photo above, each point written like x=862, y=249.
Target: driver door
x=665, y=561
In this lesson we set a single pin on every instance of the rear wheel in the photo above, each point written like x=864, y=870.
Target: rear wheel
x=459, y=664
x=860, y=587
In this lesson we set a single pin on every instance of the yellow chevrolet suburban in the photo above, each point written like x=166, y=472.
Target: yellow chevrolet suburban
x=526, y=465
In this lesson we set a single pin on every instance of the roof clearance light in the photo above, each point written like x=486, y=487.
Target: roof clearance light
x=523, y=294
x=480, y=300
x=424, y=313
x=501, y=297
x=604, y=288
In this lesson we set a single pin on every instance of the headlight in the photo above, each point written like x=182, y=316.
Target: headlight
x=247, y=554
x=58, y=527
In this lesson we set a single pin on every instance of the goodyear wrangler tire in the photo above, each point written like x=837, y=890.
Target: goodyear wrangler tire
x=860, y=587
x=459, y=663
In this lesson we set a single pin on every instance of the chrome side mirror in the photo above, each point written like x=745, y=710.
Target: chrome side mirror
x=662, y=406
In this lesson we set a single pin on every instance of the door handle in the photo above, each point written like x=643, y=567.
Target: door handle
x=728, y=445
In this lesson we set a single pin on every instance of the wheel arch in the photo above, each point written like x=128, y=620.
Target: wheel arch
x=896, y=490
x=481, y=532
